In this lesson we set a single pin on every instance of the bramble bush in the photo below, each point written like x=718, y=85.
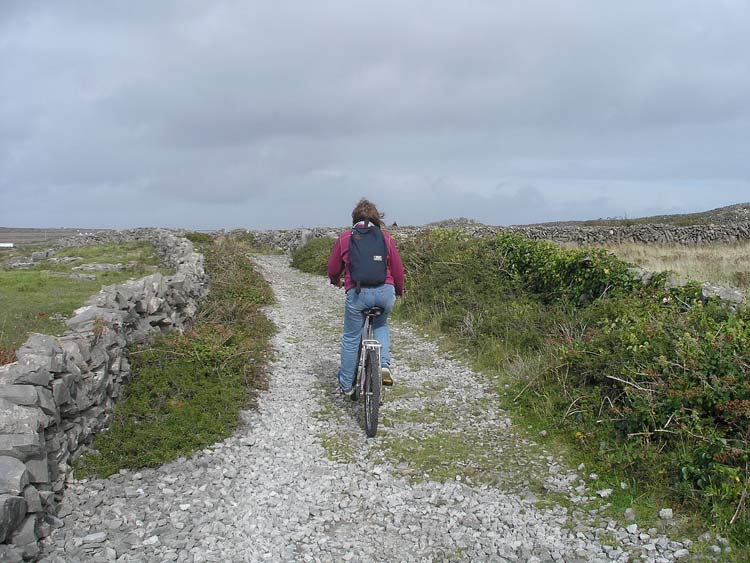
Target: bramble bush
x=671, y=376
x=651, y=382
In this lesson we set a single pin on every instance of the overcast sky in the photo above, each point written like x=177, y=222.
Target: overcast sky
x=236, y=113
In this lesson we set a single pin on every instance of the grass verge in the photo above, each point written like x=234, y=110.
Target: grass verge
x=39, y=299
x=187, y=389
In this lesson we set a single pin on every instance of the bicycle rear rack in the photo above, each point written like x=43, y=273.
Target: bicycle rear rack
x=369, y=345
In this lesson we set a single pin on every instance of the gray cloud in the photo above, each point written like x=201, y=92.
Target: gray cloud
x=230, y=113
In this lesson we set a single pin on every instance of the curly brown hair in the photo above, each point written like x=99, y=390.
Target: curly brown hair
x=365, y=210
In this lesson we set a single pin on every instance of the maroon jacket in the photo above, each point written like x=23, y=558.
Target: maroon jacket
x=339, y=262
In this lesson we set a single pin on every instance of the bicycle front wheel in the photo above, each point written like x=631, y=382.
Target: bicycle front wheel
x=373, y=384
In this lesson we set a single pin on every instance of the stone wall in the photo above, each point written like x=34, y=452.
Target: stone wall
x=60, y=392
x=289, y=240
x=646, y=234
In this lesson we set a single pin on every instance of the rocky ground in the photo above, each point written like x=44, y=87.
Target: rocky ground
x=447, y=478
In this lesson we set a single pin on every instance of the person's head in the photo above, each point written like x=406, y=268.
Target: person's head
x=365, y=210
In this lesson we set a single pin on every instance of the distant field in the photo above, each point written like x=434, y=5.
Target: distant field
x=723, y=264
x=40, y=298
x=25, y=237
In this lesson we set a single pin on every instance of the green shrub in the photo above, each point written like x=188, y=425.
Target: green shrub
x=671, y=377
x=199, y=238
x=313, y=256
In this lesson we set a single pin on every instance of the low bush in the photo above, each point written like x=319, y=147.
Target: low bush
x=199, y=238
x=313, y=256
x=187, y=389
x=661, y=375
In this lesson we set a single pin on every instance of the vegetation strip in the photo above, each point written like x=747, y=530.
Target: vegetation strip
x=187, y=389
x=648, y=384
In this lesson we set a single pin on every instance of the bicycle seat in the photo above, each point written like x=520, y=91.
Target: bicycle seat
x=373, y=311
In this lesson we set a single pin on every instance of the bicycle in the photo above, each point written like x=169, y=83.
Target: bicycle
x=368, y=380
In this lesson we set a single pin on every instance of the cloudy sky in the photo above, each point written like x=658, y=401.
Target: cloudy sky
x=239, y=113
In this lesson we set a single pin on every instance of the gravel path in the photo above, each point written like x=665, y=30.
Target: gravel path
x=447, y=478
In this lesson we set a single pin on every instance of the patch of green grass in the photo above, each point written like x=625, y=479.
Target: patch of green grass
x=36, y=299
x=338, y=448
x=141, y=252
x=313, y=257
x=459, y=453
x=187, y=390
x=200, y=238
x=401, y=392
x=254, y=244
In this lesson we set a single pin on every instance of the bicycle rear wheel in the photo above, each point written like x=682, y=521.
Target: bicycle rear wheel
x=373, y=383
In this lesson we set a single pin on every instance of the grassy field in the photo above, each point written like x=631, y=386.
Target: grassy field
x=40, y=298
x=25, y=237
x=723, y=264
x=187, y=390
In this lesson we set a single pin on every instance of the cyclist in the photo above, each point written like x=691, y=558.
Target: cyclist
x=367, y=222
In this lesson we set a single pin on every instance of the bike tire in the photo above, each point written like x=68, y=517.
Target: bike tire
x=373, y=384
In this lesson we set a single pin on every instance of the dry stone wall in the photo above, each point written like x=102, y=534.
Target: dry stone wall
x=645, y=234
x=59, y=393
x=289, y=240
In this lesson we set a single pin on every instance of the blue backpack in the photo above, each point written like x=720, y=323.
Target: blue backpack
x=368, y=255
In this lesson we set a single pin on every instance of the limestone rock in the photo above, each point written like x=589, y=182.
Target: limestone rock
x=12, y=510
x=13, y=476
x=42, y=255
x=22, y=395
x=45, y=346
x=666, y=514
x=31, y=370
x=26, y=532
x=16, y=419
x=99, y=268
x=10, y=554
x=38, y=469
x=21, y=446
x=33, y=499
x=85, y=277
x=710, y=290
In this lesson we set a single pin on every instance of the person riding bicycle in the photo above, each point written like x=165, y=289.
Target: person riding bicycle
x=385, y=281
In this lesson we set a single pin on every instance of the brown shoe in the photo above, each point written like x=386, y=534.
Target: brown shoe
x=386, y=374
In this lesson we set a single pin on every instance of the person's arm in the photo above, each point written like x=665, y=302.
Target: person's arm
x=397, y=268
x=335, y=263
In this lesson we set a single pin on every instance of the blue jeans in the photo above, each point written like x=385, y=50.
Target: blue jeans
x=382, y=296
